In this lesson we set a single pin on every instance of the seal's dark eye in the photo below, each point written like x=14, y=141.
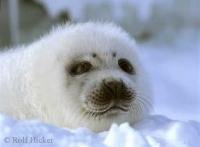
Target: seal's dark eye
x=80, y=68
x=126, y=66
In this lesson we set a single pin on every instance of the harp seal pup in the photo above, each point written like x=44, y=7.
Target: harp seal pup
x=78, y=75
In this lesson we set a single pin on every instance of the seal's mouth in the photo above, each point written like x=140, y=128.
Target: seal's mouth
x=113, y=110
x=117, y=108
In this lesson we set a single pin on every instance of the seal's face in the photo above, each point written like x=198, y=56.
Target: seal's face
x=102, y=81
x=110, y=94
x=107, y=84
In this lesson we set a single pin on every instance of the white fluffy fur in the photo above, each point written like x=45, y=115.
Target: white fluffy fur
x=34, y=83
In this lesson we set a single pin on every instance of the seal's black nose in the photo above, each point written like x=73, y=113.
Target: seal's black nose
x=115, y=90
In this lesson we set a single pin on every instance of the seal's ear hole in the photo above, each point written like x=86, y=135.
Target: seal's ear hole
x=80, y=68
x=126, y=66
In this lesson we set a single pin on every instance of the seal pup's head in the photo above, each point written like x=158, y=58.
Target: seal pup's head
x=93, y=77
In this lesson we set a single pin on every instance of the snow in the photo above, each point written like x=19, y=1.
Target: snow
x=154, y=131
x=173, y=69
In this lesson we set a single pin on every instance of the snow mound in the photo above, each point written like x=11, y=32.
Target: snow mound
x=154, y=131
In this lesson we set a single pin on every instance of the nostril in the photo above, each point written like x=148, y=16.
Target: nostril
x=111, y=84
